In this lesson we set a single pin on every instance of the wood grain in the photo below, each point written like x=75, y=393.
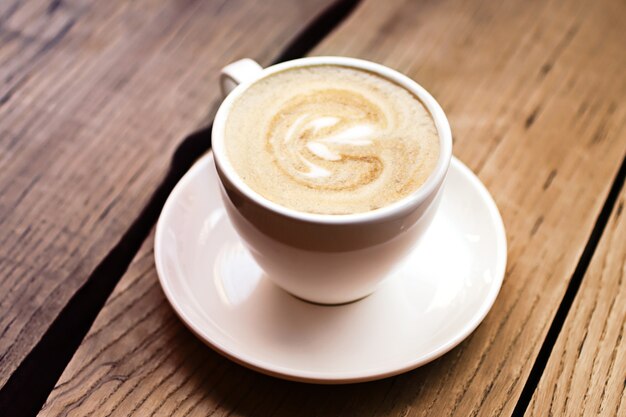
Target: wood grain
x=587, y=368
x=534, y=92
x=94, y=97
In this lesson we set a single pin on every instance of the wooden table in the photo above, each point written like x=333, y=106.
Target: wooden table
x=98, y=100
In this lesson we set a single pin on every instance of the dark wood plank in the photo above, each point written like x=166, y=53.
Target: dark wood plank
x=587, y=368
x=94, y=98
x=534, y=92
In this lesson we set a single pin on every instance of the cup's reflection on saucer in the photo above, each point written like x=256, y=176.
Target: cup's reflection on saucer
x=235, y=275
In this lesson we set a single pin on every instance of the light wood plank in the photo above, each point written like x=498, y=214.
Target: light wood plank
x=534, y=92
x=587, y=368
x=94, y=98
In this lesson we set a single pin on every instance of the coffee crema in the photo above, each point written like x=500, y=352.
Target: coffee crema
x=330, y=139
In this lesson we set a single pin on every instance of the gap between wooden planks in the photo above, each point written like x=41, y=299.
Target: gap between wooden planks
x=534, y=94
x=587, y=368
x=94, y=98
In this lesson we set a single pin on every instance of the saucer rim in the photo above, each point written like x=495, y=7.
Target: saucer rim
x=361, y=375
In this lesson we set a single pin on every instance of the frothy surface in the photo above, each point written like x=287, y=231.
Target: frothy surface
x=331, y=139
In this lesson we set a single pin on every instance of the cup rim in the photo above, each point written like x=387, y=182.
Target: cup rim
x=396, y=209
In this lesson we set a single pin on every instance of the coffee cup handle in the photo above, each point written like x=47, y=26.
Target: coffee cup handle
x=238, y=72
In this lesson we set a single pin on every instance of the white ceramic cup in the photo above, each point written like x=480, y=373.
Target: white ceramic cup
x=326, y=259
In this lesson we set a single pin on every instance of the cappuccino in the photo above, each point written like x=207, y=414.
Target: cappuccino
x=331, y=139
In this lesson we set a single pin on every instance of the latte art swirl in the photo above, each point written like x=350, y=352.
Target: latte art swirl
x=330, y=139
x=327, y=140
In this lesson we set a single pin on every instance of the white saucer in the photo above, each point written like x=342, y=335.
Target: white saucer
x=440, y=295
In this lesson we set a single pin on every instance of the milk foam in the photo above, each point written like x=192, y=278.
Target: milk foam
x=331, y=139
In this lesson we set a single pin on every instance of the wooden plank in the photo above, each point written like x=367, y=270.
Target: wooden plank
x=94, y=98
x=534, y=92
x=587, y=368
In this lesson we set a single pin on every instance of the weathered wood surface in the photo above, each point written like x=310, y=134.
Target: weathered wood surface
x=534, y=92
x=94, y=98
x=586, y=371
